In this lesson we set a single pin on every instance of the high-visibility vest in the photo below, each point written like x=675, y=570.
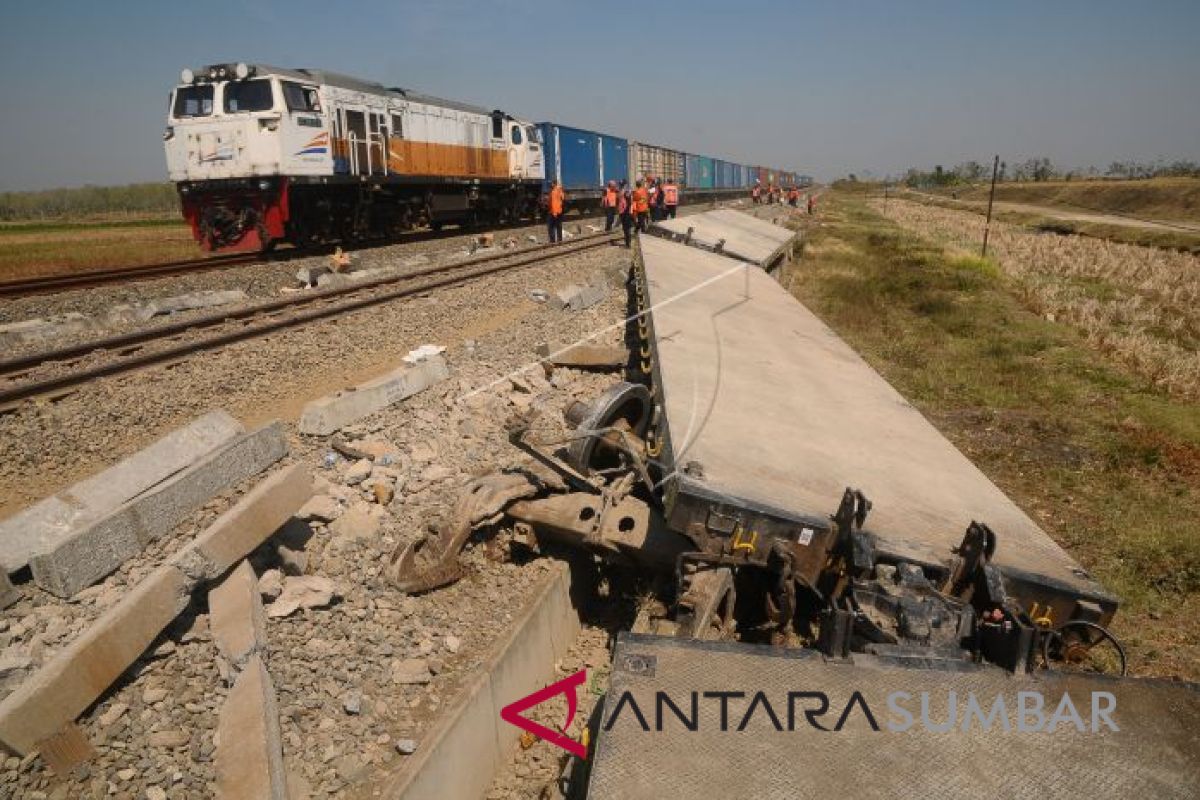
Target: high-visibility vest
x=754, y=191
x=623, y=204
x=556, y=201
x=641, y=201
x=671, y=194
x=610, y=198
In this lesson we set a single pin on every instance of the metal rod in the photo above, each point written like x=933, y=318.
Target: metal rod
x=991, y=197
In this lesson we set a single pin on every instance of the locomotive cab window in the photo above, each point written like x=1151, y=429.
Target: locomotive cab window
x=193, y=101
x=300, y=98
x=497, y=127
x=516, y=135
x=534, y=136
x=397, y=126
x=253, y=95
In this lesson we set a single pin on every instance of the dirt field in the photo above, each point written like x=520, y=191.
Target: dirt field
x=35, y=249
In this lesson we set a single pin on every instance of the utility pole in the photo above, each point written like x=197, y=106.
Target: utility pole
x=991, y=198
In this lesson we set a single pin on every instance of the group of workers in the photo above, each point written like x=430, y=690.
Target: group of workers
x=773, y=193
x=650, y=199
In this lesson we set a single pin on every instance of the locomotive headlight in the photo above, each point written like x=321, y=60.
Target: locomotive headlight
x=187, y=76
x=242, y=71
x=212, y=73
x=264, y=185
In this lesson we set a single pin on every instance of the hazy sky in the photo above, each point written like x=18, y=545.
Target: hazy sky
x=824, y=88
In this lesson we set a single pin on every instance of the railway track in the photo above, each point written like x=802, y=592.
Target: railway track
x=135, y=350
x=48, y=284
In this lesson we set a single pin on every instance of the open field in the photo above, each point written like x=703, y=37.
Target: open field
x=1140, y=305
x=28, y=250
x=1156, y=198
x=1064, y=421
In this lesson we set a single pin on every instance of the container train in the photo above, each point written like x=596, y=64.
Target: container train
x=262, y=155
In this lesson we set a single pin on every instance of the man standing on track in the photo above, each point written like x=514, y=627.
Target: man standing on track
x=670, y=194
x=554, y=212
x=625, y=209
x=609, y=201
x=641, y=207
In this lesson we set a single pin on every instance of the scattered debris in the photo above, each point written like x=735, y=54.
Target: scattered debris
x=340, y=261
x=423, y=353
x=302, y=591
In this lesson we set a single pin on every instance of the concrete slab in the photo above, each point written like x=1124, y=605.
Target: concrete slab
x=9, y=594
x=89, y=550
x=777, y=411
x=236, y=617
x=249, y=754
x=210, y=298
x=745, y=236
x=43, y=526
x=41, y=329
x=78, y=674
x=329, y=414
x=517, y=665
x=65, y=686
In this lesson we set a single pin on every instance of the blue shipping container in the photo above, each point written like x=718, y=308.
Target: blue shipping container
x=572, y=157
x=698, y=172
x=614, y=161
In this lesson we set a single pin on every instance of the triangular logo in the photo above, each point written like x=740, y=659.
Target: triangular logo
x=511, y=713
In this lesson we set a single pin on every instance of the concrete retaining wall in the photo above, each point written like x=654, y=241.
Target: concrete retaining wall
x=460, y=757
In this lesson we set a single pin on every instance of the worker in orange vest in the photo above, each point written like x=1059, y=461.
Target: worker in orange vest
x=625, y=209
x=756, y=192
x=609, y=201
x=793, y=197
x=554, y=212
x=641, y=206
x=670, y=199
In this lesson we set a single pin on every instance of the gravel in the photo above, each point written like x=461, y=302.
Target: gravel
x=361, y=673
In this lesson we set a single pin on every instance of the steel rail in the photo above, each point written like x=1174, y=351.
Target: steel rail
x=271, y=321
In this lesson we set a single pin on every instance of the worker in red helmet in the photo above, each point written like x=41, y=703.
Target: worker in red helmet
x=609, y=202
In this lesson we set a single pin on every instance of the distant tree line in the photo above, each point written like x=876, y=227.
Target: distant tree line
x=135, y=199
x=1041, y=169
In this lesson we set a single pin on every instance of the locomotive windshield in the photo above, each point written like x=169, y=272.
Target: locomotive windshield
x=193, y=101
x=253, y=95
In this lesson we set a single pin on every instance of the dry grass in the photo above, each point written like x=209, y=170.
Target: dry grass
x=33, y=250
x=1139, y=305
x=1156, y=198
